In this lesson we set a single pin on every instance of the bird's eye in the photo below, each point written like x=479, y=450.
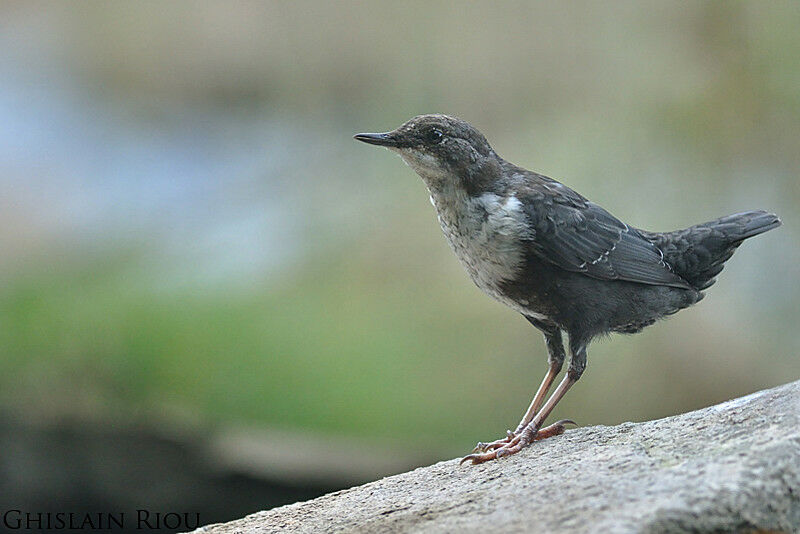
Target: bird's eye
x=433, y=136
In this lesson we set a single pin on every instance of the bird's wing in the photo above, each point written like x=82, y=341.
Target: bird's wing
x=580, y=236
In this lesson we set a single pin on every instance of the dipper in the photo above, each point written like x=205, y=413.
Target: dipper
x=562, y=261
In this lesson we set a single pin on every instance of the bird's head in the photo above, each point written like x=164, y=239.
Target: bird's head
x=443, y=150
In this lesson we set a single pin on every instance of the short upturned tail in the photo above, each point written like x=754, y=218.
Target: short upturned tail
x=699, y=252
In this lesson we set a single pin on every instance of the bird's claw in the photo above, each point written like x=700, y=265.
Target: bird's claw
x=483, y=446
x=512, y=447
x=514, y=443
x=478, y=458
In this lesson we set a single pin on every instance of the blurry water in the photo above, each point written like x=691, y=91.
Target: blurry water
x=196, y=187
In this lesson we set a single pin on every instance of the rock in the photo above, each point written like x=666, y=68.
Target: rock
x=734, y=467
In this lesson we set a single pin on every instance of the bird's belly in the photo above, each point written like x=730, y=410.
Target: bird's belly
x=489, y=240
x=489, y=260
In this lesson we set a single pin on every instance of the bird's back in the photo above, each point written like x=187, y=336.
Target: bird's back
x=577, y=235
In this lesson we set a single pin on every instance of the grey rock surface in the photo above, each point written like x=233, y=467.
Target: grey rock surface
x=734, y=467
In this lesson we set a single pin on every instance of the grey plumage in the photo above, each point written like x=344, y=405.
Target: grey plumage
x=561, y=260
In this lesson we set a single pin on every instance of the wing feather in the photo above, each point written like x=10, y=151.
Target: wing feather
x=580, y=236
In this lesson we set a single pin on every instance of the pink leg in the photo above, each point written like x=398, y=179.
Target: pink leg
x=532, y=430
x=536, y=403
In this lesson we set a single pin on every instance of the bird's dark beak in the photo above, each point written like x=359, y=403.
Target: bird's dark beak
x=380, y=139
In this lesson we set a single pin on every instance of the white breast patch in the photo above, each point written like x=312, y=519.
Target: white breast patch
x=486, y=235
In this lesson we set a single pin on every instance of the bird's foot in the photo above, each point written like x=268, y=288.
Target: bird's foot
x=513, y=443
x=487, y=446
x=510, y=436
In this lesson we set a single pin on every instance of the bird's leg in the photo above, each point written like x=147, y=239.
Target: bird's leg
x=533, y=431
x=536, y=403
x=555, y=360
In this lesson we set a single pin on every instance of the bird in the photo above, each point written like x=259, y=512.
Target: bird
x=563, y=262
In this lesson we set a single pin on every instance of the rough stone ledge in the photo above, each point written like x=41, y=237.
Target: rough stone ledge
x=734, y=467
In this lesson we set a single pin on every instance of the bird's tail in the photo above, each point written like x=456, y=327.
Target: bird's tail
x=699, y=252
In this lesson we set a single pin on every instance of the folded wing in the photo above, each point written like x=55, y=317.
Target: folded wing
x=580, y=236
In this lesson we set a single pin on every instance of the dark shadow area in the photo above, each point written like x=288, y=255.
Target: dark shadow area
x=133, y=476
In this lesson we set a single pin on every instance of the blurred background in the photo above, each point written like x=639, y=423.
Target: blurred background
x=213, y=300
